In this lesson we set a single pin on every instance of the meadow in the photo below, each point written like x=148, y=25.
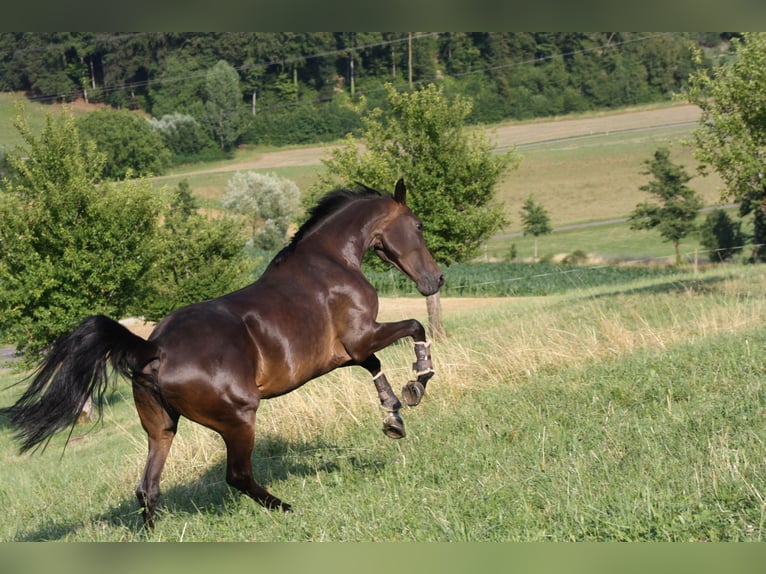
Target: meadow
x=583, y=402
x=630, y=411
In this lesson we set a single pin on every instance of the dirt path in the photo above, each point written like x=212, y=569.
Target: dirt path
x=506, y=135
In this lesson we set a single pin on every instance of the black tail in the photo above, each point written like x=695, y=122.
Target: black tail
x=75, y=369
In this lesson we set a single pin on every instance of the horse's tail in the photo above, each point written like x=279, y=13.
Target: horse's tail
x=75, y=369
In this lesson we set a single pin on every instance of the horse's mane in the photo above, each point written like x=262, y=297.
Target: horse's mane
x=326, y=206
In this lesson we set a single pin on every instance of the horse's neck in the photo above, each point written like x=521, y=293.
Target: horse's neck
x=348, y=235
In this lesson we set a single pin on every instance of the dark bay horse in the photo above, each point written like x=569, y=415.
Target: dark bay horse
x=212, y=362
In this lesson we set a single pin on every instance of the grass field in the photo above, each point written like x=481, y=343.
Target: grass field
x=632, y=412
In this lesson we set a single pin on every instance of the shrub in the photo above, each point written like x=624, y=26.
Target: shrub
x=721, y=235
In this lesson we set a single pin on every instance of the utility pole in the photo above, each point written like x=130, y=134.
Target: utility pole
x=409, y=56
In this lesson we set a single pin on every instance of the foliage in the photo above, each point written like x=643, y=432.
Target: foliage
x=197, y=258
x=223, y=114
x=508, y=74
x=535, y=218
x=305, y=124
x=450, y=172
x=721, y=236
x=184, y=137
x=268, y=202
x=181, y=86
x=70, y=244
x=128, y=141
x=731, y=137
x=678, y=205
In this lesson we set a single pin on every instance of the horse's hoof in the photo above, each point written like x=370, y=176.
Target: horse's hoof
x=393, y=426
x=412, y=393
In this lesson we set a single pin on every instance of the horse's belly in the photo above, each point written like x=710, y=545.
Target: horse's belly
x=278, y=379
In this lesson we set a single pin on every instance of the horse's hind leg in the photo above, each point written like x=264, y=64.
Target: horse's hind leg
x=160, y=426
x=393, y=425
x=239, y=436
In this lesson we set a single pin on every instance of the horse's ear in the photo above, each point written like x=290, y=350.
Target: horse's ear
x=400, y=193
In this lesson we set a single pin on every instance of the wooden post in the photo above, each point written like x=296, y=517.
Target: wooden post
x=435, y=325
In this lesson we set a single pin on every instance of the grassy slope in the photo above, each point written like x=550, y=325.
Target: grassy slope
x=621, y=413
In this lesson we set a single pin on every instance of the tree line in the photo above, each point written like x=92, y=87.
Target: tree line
x=305, y=87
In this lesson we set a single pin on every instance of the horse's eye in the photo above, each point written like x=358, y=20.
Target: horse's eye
x=419, y=225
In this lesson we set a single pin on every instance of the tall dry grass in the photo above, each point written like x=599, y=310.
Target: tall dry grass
x=511, y=341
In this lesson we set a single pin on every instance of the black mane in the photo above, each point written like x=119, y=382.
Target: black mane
x=329, y=204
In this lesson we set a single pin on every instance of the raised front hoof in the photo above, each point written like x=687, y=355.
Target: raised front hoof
x=412, y=393
x=393, y=426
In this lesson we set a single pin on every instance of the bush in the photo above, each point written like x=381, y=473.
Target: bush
x=128, y=140
x=71, y=244
x=185, y=138
x=721, y=236
x=302, y=124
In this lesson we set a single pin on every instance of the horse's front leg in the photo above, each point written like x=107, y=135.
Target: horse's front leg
x=393, y=425
x=382, y=336
x=413, y=391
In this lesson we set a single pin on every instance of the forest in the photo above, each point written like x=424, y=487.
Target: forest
x=306, y=87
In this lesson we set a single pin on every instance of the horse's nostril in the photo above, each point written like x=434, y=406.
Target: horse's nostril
x=441, y=280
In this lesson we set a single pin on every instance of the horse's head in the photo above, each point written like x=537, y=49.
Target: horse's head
x=399, y=241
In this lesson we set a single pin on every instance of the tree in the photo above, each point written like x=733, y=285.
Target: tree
x=269, y=202
x=450, y=171
x=198, y=258
x=70, y=244
x=223, y=113
x=731, y=137
x=721, y=236
x=128, y=141
x=535, y=219
x=678, y=205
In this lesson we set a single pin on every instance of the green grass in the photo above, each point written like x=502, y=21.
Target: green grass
x=629, y=412
x=35, y=113
x=511, y=279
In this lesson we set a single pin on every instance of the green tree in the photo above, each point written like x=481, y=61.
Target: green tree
x=535, y=219
x=128, y=141
x=678, y=205
x=197, y=257
x=721, y=236
x=70, y=243
x=269, y=202
x=223, y=113
x=450, y=171
x=731, y=137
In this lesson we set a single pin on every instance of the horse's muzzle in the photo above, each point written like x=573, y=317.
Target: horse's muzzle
x=430, y=285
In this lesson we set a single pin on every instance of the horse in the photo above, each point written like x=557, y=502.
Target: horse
x=310, y=312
